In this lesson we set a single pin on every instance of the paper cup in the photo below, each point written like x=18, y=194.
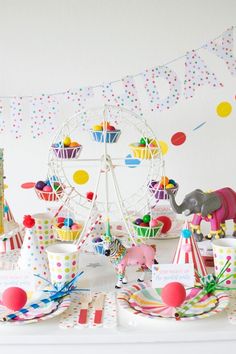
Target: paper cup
x=225, y=249
x=63, y=262
x=43, y=229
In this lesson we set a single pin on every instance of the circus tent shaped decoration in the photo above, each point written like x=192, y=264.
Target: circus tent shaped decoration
x=11, y=235
x=188, y=252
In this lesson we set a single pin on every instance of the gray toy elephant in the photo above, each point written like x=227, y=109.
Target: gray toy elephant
x=215, y=207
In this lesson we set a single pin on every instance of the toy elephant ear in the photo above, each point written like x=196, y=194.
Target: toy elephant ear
x=211, y=203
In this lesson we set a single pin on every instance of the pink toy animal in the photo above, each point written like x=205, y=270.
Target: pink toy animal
x=215, y=207
x=142, y=256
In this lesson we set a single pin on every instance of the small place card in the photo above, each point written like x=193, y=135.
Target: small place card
x=21, y=279
x=163, y=274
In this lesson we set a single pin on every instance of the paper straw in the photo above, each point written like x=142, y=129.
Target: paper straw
x=79, y=243
x=62, y=206
x=188, y=305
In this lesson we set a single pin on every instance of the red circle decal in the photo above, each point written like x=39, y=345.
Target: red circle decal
x=178, y=138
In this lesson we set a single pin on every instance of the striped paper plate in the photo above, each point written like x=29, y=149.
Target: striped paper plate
x=141, y=299
x=50, y=310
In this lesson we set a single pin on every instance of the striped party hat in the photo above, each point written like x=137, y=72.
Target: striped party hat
x=7, y=212
x=188, y=252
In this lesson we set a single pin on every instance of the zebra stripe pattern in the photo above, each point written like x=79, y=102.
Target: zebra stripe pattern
x=118, y=251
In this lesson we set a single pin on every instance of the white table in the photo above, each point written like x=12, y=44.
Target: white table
x=215, y=334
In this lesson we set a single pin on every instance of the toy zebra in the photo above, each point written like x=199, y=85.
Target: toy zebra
x=121, y=257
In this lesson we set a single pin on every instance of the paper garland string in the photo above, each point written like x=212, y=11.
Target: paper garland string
x=44, y=108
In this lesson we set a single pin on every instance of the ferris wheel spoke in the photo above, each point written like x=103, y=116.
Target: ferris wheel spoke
x=120, y=204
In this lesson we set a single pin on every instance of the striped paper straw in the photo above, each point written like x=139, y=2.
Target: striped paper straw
x=24, y=310
x=188, y=305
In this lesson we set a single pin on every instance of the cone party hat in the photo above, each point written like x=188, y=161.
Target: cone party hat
x=188, y=252
x=32, y=258
x=7, y=212
x=12, y=238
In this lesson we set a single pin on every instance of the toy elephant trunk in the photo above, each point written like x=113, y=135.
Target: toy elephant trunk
x=178, y=209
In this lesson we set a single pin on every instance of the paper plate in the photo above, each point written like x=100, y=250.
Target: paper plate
x=50, y=310
x=142, y=300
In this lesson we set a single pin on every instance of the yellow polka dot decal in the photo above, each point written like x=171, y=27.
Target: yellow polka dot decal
x=164, y=147
x=80, y=177
x=224, y=109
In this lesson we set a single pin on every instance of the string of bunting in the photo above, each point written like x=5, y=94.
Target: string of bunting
x=135, y=92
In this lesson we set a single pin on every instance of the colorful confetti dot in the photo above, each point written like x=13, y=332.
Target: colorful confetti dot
x=131, y=162
x=224, y=109
x=80, y=177
x=178, y=138
x=164, y=147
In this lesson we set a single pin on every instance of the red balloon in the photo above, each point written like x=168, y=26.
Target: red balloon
x=178, y=138
x=173, y=294
x=28, y=221
x=14, y=298
x=167, y=223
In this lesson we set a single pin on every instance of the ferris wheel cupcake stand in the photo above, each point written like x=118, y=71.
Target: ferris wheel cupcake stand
x=123, y=169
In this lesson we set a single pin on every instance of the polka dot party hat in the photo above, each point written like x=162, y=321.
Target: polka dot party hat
x=34, y=259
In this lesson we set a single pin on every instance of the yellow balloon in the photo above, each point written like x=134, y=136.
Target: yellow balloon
x=224, y=109
x=80, y=177
x=164, y=147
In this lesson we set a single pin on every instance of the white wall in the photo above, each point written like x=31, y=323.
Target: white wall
x=52, y=45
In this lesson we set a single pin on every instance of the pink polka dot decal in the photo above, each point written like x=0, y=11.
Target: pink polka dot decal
x=2, y=120
x=16, y=116
x=128, y=98
x=197, y=74
x=151, y=77
x=223, y=48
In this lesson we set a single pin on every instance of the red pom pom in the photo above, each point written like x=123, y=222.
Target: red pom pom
x=173, y=294
x=167, y=223
x=14, y=298
x=28, y=221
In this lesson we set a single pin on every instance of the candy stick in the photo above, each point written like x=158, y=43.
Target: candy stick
x=92, y=227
